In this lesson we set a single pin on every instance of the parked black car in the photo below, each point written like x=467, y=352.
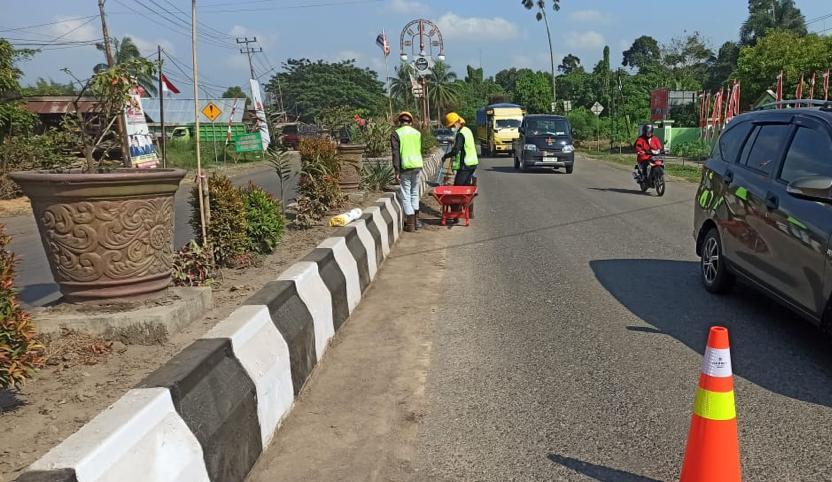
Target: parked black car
x=545, y=141
x=445, y=137
x=763, y=211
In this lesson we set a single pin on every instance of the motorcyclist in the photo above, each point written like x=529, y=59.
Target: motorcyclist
x=647, y=146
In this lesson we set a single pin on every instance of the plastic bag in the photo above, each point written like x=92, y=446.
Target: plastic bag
x=346, y=218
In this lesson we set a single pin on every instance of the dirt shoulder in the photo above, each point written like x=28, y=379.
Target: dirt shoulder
x=358, y=417
x=88, y=373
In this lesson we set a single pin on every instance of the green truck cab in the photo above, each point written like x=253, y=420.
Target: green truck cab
x=497, y=126
x=207, y=132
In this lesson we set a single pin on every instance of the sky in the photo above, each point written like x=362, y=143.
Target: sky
x=494, y=34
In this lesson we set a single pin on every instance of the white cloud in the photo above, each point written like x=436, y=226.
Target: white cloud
x=410, y=7
x=74, y=30
x=455, y=27
x=590, y=16
x=149, y=46
x=587, y=40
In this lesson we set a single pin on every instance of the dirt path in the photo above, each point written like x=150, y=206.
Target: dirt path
x=359, y=415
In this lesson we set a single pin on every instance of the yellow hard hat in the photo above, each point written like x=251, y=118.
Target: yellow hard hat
x=405, y=114
x=452, y=118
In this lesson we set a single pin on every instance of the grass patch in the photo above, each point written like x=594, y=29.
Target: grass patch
x=688, y=172
x=182, y=154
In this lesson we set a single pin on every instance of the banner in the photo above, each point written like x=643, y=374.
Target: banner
x=262, y=124
x=139, y=141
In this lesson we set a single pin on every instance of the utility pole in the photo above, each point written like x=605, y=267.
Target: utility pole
x=108, y=51
x=204, y=206
x=249, y=50
x=551, y=57
x=162, y=109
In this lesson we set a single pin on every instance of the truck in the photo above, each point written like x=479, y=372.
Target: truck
x=497, y=126
x=207, y=132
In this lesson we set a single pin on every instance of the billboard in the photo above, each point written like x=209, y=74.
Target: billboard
x=139, y=141
x=260, y=111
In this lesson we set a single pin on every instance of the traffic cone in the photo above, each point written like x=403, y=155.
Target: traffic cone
x=713, y=453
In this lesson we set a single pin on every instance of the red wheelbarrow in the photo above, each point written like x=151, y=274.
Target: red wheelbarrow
x=455, y=201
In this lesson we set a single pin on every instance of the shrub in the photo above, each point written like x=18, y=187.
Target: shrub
x=227, y=229
x=193, y=265
x=21, y=353
x=31, y=152
x=281, y=163
x=318, y=188
x=429, y=141
x=264, y=219
x=697, y=150
x=376, y=176
x=311, y=148
x=375, y=135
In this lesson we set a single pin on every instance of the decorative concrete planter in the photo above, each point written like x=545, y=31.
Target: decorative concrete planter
x=350, y=156
x=106, y=235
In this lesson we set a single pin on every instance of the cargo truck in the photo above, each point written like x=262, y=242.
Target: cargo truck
x=497, y=128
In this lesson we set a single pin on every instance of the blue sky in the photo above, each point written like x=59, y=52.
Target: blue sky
x=498, y=33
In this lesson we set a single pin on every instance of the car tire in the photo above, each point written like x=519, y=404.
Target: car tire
x=516, y=163
x=716, y=278
x=570, y=168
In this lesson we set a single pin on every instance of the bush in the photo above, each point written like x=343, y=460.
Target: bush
x=264, y=219
x=429, y=141
x=311, y=148
x=375, y=136
x=318, y=188
x=697, y=150
x=21, y=353
x=31, y=152
x=193, y=265
x=227, y=229
x=376, y=176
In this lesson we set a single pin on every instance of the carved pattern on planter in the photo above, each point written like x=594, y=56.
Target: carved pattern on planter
x=100, y=240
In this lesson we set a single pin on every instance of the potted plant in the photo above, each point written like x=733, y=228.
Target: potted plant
x=338, y=121
x=107, y=230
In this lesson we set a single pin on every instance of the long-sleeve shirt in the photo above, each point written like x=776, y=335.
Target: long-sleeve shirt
x=458, y=148
x=396, y=150
x=644, y=146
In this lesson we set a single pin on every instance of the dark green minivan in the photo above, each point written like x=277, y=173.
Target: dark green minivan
x=763, y=211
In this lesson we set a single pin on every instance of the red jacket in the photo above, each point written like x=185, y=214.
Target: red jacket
x=644, y=146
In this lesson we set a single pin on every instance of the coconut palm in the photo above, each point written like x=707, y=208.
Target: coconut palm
x=442, y=91
x=400, y=87
x=541, y=15
x=125, y=50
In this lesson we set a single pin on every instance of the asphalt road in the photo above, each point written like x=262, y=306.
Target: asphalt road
x=34, y=279
x=565, y=344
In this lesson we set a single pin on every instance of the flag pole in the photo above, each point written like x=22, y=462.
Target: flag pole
x=387, y=73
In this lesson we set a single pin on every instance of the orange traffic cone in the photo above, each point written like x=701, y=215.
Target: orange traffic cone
x=713, y=453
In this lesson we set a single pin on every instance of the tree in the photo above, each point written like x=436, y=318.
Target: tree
x=764, y=15
x=13, y=116
x=125, y=51
x=723, y=66
x=313, y=87
x=643, y=53
x=569, y=64
x=687, y=60
x=534, y=91
x=49, y=87
x=795, y=55
x=541, y=15
x=234, y=92
x=401, y=88
x=441, y=88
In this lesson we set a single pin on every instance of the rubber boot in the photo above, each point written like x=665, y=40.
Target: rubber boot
x=419, y=224
x=410, y=223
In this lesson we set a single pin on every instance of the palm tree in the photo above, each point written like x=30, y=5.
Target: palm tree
x=125, y=50
x=442, y=90
x=400, y=86
x=541, y=15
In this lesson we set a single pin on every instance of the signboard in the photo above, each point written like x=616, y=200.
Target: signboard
x=248, y=143
x=260, y=111
x=597, y=108
x=567, y=106
x=139, y=141
x=422, y=66
x=211, y=111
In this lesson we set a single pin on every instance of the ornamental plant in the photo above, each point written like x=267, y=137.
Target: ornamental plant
x=264, y=219
x=21, y=353
x=193, y=265
x=227, y=230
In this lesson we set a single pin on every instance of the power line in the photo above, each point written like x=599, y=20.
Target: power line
x=285, y=7
x=818, y=19
x=178, y=26
x=29, y=27
x=199, y=22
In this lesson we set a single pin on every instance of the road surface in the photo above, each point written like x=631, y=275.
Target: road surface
x=34, y=280
x=560, y=337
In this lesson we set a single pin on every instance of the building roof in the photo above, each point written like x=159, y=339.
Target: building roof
x=63, y=104
x=181, y=111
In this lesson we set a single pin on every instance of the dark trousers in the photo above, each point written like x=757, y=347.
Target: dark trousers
x=464, y=175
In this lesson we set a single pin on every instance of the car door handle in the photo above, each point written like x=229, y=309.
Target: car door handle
x=772, y=202
x=728, y=178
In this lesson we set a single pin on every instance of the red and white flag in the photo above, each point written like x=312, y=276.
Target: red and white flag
x=826, y=85
x=230, y=120
x=167, y=85
x=798, y=94
x=779, y=94
x=381, y=41
x=812, y=86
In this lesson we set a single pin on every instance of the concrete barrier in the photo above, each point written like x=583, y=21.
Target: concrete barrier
x=209, y=412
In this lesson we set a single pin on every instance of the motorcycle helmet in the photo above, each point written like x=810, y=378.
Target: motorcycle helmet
x=646, y=129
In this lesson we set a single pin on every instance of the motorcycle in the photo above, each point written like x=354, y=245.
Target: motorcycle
x=655, y=175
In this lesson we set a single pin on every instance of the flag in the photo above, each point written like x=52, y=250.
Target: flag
x=798, y=93
x=779, y=89
x=230, y=120
x=167, y=85
x=812, y=84
x=381, y=41
x=826, y=85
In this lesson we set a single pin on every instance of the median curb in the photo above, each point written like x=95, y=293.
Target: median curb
x=211, y=411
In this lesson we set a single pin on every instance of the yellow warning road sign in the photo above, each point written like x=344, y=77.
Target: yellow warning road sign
x=211, y=111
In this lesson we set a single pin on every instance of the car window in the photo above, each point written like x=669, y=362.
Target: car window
x=542, y=127
x=809, y=155
x=768, y=147
x=507, y=123
x=731, y=141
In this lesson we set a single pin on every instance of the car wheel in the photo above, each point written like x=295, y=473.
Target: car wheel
x=570, y=168
x=715, y=275
x=516, y=163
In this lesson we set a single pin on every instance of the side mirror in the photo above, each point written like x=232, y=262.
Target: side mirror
x=572, y=132
x=814, y=188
